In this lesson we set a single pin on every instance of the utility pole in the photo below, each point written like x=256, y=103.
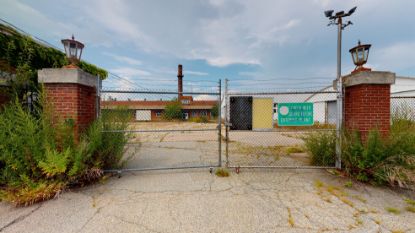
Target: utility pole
x=337, y=19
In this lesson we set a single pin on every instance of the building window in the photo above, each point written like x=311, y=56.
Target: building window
x=194, y=114
x=158, y=114
x=203, y=113
x=185, y=101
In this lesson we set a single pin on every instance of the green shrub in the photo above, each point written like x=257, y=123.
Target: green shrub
x=321, y=146
x=39, y=156
x=382, y=160
x=215, y=111
x=173, y=111
x=113, y=143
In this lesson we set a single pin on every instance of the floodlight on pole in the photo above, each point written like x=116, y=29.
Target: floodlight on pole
x=337, y=19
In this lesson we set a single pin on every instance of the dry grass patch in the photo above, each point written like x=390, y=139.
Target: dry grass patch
x=222, y=172
x=290, y=218
x=271, y=151
x=393, y=210
x=410, y=209
x=360, y=198
x=294, y=149
x=410, y=201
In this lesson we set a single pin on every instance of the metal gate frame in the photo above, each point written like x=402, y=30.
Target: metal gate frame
x=227, y=125
x=218, y=128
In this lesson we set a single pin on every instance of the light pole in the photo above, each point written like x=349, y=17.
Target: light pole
x=337, y=19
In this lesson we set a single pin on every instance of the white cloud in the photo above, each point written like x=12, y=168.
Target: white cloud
x=399, y=55
x=128, y=60
x=196, y=73
x=276, y=36
x=130, y=72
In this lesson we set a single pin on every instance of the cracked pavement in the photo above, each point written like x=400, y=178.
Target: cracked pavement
x=197, y=201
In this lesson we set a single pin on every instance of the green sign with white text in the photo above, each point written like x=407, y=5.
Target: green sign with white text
x=295, y=114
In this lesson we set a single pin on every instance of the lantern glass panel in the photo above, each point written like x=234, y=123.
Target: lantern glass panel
x=361, y=55
x=354, y=57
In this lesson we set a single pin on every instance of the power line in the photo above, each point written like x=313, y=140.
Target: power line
x=45, y=43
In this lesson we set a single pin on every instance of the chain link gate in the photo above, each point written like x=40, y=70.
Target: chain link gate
x=158, y=141
x=256, y=137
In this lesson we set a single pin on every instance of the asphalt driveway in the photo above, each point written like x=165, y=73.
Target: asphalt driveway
x=196, y=201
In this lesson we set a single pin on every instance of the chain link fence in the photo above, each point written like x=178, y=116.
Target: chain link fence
x=403, y=107
x=268, y=129
x=166, y=129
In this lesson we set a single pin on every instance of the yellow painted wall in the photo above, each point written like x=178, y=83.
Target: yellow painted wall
x=262, y=113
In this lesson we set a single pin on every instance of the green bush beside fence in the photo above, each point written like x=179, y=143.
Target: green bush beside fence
x=39, y=156
x=379, y=160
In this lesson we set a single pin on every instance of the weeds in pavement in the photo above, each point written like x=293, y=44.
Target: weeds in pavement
x=410, y=209
x=348, y=184
x=393, y=210
x=410, y=201
x=222, y=172
x=290, y=218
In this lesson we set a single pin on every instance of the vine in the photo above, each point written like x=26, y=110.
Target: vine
x=20, y=50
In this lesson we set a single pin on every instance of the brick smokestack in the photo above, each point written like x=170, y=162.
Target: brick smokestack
x=180, y=81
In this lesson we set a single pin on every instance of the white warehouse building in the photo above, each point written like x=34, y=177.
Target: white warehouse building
x=325, y=105
x=324, y=100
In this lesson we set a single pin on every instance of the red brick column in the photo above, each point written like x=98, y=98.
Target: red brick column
x=72, y=101
x=72, y=94
x=367, y=102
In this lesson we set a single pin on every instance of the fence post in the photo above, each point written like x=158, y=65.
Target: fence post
x=339, y=125
x=220, y=123
x=226, y=124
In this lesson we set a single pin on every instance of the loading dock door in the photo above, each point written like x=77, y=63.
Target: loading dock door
x=262, y=111
x=240, y=112
x=143, y=115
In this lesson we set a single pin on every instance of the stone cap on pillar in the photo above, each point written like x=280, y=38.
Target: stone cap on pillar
x=367, y=77
x=68, y=75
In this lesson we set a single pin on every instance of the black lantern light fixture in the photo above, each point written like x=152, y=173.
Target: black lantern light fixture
x=73, y=50
x=360, y=54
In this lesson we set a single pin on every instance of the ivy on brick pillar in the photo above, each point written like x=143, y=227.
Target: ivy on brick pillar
x=367, y=101
x=73, y=95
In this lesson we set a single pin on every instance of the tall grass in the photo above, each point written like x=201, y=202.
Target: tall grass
x=39, y=156
x=321, y=146
x=378, y=159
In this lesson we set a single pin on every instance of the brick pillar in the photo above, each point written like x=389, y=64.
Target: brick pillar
x=72, y=93
x=367, y=101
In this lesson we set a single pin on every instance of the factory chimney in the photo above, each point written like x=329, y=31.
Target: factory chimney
x=180, y=82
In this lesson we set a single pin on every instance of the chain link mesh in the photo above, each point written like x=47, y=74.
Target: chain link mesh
x=258, y=138
x=186, y=135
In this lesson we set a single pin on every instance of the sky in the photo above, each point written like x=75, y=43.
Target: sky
x=256, y=44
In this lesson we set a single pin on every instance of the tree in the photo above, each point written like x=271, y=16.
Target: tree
x=173, y=110
x=215, y=111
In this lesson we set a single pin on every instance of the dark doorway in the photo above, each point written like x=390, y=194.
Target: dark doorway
x=241, y=113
